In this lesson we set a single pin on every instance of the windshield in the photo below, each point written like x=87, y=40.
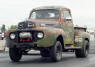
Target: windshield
x=45, y=14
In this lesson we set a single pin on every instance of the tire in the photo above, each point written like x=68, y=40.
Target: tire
x=82, y=53
x=56, y=51
x=15, y=54
x=44, y=53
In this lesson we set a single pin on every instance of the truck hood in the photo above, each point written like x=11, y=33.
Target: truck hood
x=31, y=23
x=47, y=26
x=50, y=30
x=45, y=22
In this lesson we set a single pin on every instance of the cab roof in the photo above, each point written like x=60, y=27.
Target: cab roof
x=50, y=7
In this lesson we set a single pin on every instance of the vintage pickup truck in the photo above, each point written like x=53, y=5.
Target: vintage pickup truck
x=50, y=30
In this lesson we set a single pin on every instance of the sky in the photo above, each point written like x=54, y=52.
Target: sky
x=14, y=11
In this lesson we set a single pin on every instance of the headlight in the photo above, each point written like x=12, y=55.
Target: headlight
x=40, y=35
x=12, y=36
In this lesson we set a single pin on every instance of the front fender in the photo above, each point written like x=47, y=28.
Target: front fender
x=50, y=36
x=9, y=31
x=84, y=35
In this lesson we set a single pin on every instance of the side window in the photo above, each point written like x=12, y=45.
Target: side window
x=66, y=15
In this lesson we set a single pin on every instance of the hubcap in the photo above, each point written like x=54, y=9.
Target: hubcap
x=58, y=52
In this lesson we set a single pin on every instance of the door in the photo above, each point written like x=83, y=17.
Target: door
x=68, y=27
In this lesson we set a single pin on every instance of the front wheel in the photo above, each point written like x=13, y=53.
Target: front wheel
x=56, y=51
x=15, y=54
x=83, y=52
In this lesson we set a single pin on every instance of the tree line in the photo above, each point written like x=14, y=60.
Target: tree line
x=3, y=28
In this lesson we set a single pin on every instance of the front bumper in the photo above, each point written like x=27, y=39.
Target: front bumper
x=12, y=44
x=46, y=41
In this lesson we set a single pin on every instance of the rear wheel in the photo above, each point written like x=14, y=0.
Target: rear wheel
x=15, y=54
x=84, y=51
x=56, y=51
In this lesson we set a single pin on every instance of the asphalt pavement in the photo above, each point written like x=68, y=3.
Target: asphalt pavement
x=68, y=60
